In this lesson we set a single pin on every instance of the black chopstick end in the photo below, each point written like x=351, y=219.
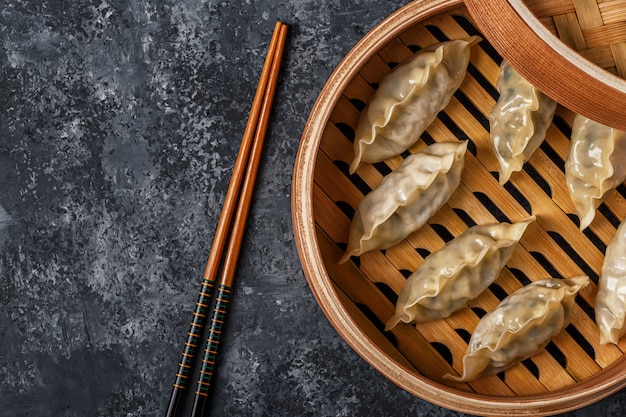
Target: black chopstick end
x=200, y=405
x=172, y=407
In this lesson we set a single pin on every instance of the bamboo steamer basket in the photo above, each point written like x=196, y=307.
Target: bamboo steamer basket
x=358, y=297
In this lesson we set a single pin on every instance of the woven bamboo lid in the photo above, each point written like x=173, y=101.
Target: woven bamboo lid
x=573, y=50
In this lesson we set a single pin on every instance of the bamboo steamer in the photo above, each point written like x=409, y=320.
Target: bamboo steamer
x=358, y=297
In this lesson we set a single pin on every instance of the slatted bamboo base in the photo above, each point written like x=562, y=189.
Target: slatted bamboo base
x=359, y=296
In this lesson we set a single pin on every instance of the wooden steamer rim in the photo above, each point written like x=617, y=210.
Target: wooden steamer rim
x=598, y=386
x=549, y=64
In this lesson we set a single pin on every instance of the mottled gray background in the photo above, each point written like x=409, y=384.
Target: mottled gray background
x=119, y=125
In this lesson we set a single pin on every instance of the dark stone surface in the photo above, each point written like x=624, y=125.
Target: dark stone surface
x=119, y=126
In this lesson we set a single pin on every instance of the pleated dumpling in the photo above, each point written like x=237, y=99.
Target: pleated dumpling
x=406, y=198
x=596, y=164
x=610, y=305
x=408, y=99
x=457, y=273
x=521, y=325
x=518, y=121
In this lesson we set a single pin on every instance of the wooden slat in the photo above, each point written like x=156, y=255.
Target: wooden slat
x=613, y=11
x=395, y=52
x=618, y=50
x=588, y=13
x=569, y=31
x=605, y=35
x=345, y=112
x=359, y=89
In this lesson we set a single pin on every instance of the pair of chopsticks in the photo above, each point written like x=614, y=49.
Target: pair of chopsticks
x=237, y=204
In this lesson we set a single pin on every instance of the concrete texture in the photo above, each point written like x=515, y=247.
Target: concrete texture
x=119, y=126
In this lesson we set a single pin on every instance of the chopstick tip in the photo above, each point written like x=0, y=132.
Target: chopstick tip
x=280, y=24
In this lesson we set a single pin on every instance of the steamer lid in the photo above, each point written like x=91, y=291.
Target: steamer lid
x=545, y=60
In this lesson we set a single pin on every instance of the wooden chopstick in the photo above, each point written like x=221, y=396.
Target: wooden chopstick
x=244, y=172
x=225, y=288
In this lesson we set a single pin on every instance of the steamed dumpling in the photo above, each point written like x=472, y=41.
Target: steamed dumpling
x=406, y=198
x=457, y=273
x=518, y=121
x=521, y=325
x=408, y=100
x=595, y=165
x=610, y=305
